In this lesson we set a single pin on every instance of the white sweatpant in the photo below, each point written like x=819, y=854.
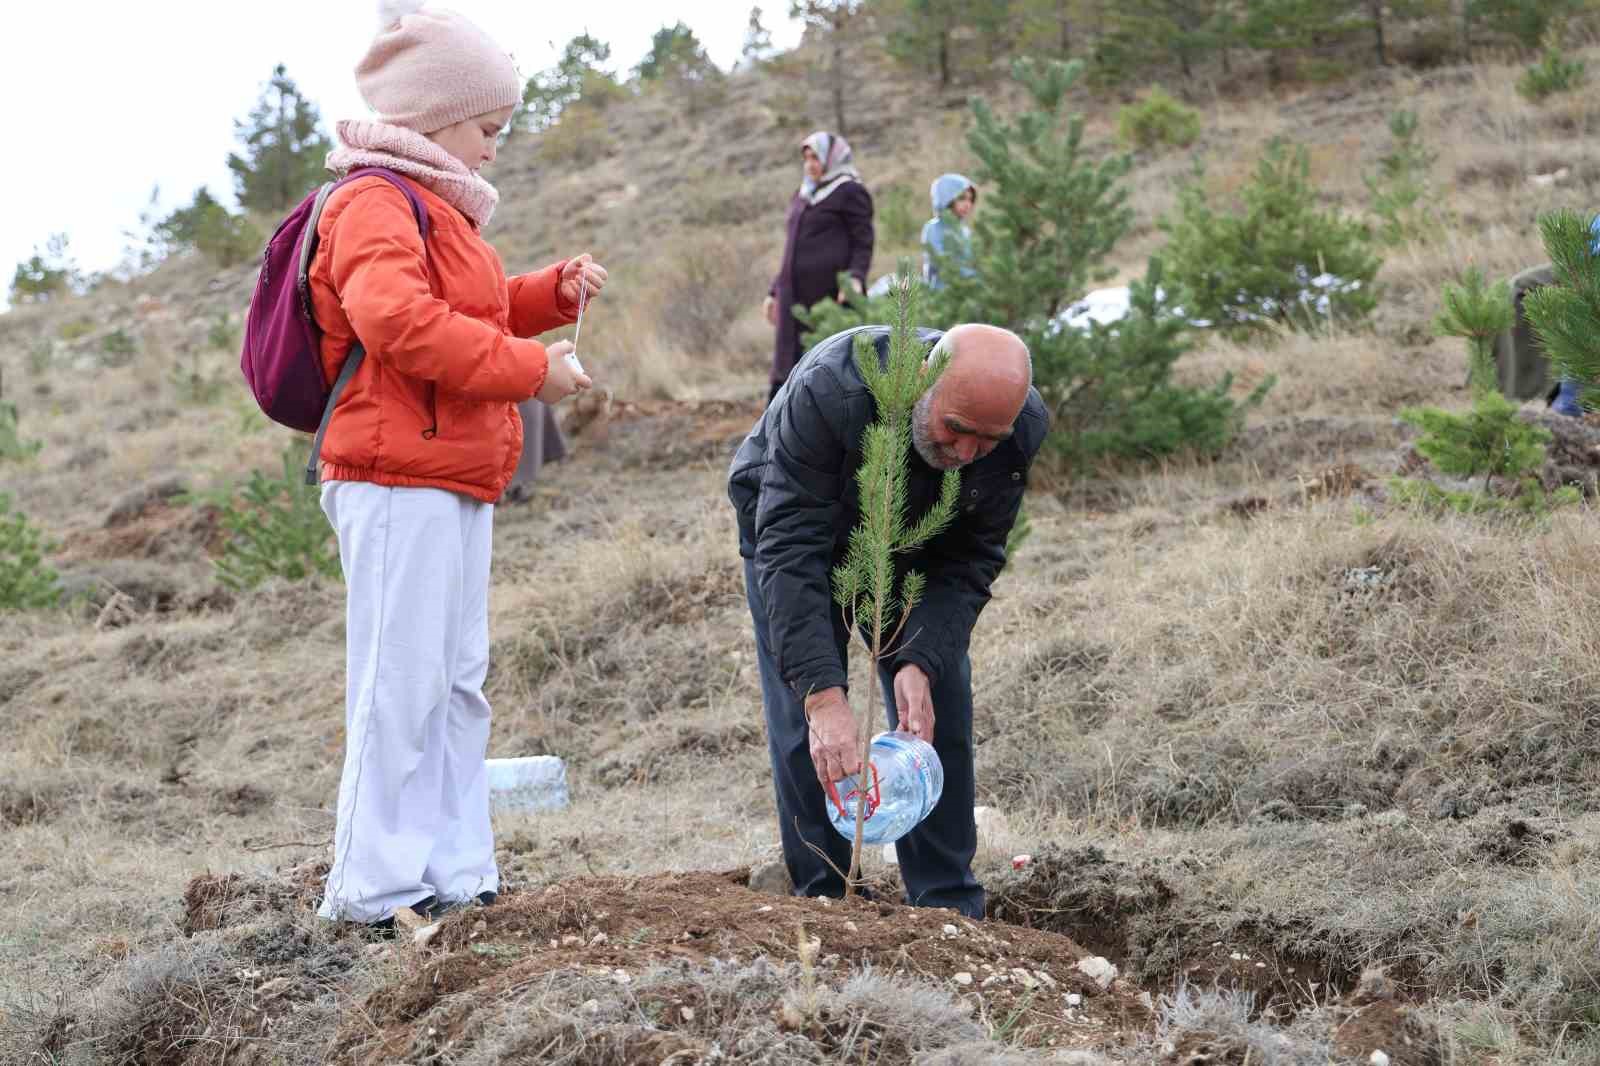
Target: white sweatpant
x=413, y=815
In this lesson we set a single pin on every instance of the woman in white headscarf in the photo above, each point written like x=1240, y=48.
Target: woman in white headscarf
x=829, y=233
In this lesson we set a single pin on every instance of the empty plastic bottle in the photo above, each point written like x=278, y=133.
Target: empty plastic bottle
x=905, y=780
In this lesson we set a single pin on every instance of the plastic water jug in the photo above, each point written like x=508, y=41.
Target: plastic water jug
x=904, y=780
x=529, y=783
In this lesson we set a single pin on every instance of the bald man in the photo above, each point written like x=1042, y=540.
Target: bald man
x=793, y=483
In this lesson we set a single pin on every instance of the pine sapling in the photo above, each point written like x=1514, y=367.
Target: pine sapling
x=1477, y=312
x=864, y=584
x=1566, y=316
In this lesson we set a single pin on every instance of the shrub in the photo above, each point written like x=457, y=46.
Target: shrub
x=12, y=446
x=26, y=583
x=1158, y=121
x=1279, y=258
x=118, y=344
x=579, y=137
x=277, y=529
x=1552, y=74
x=705, y=287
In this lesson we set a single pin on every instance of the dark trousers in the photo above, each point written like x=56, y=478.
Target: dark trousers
x=936, y=856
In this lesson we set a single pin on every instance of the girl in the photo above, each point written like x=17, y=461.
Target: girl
x=422, y=443
x=940, y=240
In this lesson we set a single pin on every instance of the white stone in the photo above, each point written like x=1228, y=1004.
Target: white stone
x=529, y=783
x=889, y=855
x=963, y=978
x=1098, y=969
x=1074, y=999
x=425, y=934
x=950, y=930
x=1379, y=1058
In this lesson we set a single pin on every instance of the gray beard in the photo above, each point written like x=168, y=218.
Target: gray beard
x=922, y=442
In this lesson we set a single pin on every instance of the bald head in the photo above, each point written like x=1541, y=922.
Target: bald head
x=978, y=397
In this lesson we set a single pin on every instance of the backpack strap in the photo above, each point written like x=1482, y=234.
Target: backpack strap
x=308, y=247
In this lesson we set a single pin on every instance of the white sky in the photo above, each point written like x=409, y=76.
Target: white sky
x=102, y=100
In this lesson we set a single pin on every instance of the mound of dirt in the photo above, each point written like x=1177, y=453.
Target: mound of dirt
x=661, y=941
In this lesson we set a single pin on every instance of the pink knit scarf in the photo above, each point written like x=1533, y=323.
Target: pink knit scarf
x=365, y=143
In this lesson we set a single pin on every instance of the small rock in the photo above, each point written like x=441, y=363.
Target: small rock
x=963, y=978
x=851, y=927
x=591, y=1006
x=1045, y=978
x=1098, y=969
x=764, y=910
x=686, y=1013
x=423, y=935
x=599, y=938
x=1074, y=1000
x=621, y=977
x=950, y=930
x=771, y=878
x=1379, y=1058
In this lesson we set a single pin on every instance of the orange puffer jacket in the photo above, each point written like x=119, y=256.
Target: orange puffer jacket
x=433, y=404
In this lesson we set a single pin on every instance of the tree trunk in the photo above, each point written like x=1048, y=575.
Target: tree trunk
x=1376, y=6
x=944, y=57
x=1066, y=29
x=838, y=74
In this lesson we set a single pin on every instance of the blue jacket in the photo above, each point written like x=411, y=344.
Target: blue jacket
x=950, y=239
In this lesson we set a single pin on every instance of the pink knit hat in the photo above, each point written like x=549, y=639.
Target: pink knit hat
x=430, y=69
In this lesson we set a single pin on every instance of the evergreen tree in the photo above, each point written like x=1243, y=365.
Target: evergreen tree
x=284, y=150
x=833, y=20
x=677, y=58
x=864, y=584
x=206, y=226
x=1488, y=439
x=1400, y=193
x=26, y=582
x=1566, y=315
x=757, y=47
x=1259, y=265
x=46, y=275
x=578, y=74
x=921, y=33
x=1051, y=215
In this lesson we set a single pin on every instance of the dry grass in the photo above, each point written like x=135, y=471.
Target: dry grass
x=1313, y=725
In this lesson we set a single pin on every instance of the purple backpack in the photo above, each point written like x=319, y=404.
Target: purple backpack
x=282, y=357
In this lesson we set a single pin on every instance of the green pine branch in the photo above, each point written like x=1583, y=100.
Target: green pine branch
x=875, y=599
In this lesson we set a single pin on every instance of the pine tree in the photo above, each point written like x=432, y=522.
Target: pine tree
x=1489, y=438
x=578, y=75
x=833, y=20
x=26, y=582
x=757, y=47
x=677, y=58
x=1566, y=315
x=1050, y=218
x=922, y=31
x=1400, y=193
x=1477, y=312
x=864, y=583
x=1248, y=268
x=46, y=275
x=284, y=148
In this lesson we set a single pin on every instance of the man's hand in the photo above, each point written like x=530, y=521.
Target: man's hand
x=570, y=287
x=561, y=380
x=913, y=699
x=855, y=283
x=769, y=308
x=835, y=745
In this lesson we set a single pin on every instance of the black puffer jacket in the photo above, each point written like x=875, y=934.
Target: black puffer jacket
x=793, y=484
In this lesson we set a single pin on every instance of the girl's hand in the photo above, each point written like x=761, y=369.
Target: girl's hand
x=770, y=310
x=562, y=379
x=570, y=287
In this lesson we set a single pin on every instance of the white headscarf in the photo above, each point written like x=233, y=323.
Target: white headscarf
x=837, y=167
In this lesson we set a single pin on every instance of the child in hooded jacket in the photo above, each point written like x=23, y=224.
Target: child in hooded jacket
x=422, y=444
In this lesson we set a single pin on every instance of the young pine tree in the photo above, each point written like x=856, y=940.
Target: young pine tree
x=1488, y=439
x=1566, y=316
x=864, y=585
x=284, y=148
